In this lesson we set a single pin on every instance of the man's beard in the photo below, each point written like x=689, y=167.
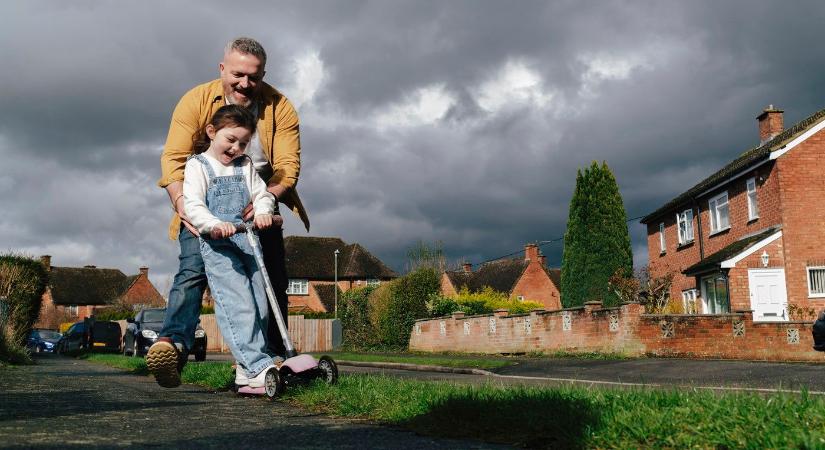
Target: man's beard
x=230, y=99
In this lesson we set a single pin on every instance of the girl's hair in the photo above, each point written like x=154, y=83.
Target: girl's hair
x=229, y=115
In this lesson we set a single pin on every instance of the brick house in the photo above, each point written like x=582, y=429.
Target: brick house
x=310, y=264
x=751, y=235
x=526, y=278
x=75, y=293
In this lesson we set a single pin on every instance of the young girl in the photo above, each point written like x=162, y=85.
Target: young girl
x=219, y=181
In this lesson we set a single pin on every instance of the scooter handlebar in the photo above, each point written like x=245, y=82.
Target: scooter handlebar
x=241, y=227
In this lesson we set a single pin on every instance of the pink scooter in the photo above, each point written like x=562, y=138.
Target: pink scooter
x=296, y=368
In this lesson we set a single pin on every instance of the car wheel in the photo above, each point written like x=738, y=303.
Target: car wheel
x=200, y=356
x=37, y=349
x=125, y=349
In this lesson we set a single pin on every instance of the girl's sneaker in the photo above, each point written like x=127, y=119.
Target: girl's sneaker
x=258, y=381
x=240, y=377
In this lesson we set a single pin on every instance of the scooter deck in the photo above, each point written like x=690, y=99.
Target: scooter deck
x=251, y=390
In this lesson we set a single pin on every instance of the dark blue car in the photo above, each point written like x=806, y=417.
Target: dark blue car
x=42, y=341
x=143, y=330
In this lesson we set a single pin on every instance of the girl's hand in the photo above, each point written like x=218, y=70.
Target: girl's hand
x=265, y=221
x=222, y=230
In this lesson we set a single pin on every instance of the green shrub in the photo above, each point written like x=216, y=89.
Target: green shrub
x=409, y=295
x=207, y=310
x=22, y=284
x=474, y=303
x=116, y=312
x=353, y=310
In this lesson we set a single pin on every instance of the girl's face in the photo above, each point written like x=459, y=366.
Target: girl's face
x=227, y=143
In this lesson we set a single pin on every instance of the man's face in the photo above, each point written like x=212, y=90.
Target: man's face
x=241, y=77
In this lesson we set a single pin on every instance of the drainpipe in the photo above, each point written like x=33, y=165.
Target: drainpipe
x=699, y=226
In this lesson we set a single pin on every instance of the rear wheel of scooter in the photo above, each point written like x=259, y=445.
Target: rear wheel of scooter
x=329, y=369
x=273, y=383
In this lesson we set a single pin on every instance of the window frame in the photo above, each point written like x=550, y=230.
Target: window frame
x=662, y=242
x=689, y=295
x=372, y=282
x=724, y=307
x=681, y=218
x=713, y=211
x=812, y=294
x=302, y=282
x=753, y=202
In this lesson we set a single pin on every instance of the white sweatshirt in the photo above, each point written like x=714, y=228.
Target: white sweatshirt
x=195, y=184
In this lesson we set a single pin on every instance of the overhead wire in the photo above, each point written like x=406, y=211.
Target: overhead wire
x=541, y=244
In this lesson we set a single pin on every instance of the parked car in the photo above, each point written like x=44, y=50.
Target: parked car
x=42, y=340
x=90, y=334
x=143, y=330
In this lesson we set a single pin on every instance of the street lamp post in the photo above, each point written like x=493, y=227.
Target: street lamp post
x=336, y=282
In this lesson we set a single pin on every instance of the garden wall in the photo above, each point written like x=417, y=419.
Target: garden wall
x=624, y=330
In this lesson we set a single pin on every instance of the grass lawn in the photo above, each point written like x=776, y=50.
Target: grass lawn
x=552, y=416
x=473, y=362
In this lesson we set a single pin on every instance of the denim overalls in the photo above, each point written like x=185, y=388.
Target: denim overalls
x=234, y=278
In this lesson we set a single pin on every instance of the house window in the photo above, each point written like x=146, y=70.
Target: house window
x=718, y=211
x=684, y=220
x=298, y=287
x=715, y=298
x=73, y=310
x=816, y=281
x=520, y=298
x=689, y=301
x=662, y=246
x=373, y=282
x=753, y=206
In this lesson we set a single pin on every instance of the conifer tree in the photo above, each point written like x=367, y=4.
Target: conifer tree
x=596, y=243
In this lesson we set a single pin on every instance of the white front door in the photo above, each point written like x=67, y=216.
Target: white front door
x=769, y=299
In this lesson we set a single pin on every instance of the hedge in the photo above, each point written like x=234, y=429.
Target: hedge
x=23, y=281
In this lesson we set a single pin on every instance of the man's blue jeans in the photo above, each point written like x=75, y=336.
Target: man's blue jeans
x=184, y=306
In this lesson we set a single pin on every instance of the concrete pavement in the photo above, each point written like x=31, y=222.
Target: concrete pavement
x=68, y=403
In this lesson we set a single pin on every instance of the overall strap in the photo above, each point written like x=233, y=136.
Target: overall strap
x=206, y=166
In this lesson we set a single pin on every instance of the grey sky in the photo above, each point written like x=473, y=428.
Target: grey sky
x=458, y=121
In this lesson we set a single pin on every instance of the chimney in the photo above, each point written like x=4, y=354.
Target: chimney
x=144, y=271
x=46, y=260
x=542, y=260
x=468, y=267
x=90, y=266
x=770, y=123
x=531, y=252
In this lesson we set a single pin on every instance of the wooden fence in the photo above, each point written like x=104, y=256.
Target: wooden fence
x=308, y=335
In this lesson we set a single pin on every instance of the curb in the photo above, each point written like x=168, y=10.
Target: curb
x=416, y=367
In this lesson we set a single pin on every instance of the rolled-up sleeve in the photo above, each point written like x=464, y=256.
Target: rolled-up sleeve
x=286, y=163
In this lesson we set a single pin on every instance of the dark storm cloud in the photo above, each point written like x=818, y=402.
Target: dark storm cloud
x=413, y=122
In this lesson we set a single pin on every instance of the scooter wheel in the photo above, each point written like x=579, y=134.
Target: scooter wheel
x=329, y=369
x=273, y=383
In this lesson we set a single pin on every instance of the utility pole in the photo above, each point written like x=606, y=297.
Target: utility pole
x=336, y=282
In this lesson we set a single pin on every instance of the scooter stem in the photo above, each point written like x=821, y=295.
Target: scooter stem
x=252, y=236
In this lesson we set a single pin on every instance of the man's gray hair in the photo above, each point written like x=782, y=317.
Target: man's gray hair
x=248, y=46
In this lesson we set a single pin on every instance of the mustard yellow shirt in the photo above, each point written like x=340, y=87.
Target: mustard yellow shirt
x=277, y=130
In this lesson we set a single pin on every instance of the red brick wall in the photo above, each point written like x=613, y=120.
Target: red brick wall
x=535, y=285
x=802, y=192
x=730, y=336
x=310, y=301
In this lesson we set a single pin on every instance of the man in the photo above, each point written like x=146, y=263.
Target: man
x=275, y=151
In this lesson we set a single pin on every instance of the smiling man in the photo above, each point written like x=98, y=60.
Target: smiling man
x=275, y=150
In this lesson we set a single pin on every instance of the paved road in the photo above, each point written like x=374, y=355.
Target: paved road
x=67, y=403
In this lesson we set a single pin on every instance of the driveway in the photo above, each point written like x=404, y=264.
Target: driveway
x=68, y=403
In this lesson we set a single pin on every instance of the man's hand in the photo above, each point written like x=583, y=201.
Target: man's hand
x=222, y=230
x=265, y=221
x=175, y=192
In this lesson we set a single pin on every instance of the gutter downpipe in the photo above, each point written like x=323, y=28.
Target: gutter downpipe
x=699, y=226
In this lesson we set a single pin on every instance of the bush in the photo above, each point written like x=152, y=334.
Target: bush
x=474, y=303
x=117, y=311
x=22, y=284
x=314, y=315
x=353, y=310
x=409, y=295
